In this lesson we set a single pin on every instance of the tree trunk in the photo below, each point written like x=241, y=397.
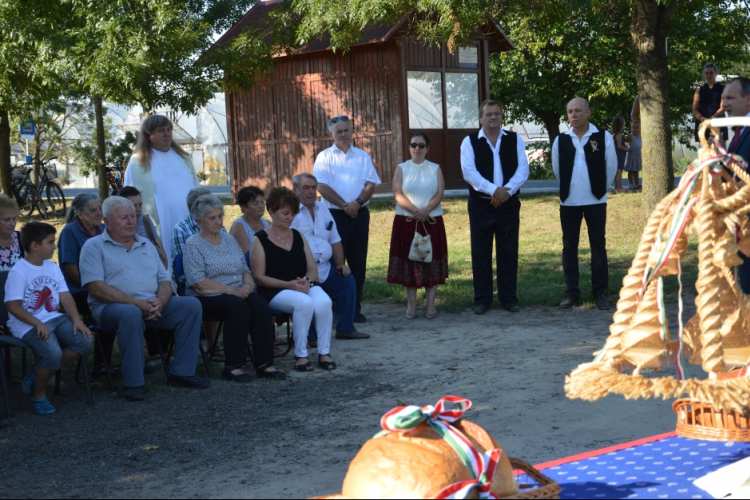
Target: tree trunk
x=36, y=174
x=101, y=153
x=6, y=181
x=649, y=29
x=551, y=120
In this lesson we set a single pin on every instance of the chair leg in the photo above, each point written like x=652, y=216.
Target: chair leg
x=205, y=360
x=24, y=364
x=58, y=374
x=164, y=359
x=4, y=376
x=87, y=377
x=104, y=361
x=8, y=364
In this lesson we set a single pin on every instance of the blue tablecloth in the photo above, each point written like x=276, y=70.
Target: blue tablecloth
x=661, y=469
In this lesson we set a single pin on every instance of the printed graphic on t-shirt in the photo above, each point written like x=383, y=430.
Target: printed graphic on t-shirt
x=39, y=295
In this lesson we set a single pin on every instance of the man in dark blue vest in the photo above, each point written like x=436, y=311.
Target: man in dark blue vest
x=585, y=162
x=736, y=100
x=494, y=164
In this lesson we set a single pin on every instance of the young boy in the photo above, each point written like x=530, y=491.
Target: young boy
x=33, y=291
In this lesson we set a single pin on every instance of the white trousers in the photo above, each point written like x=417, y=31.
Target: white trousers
x=302, y=307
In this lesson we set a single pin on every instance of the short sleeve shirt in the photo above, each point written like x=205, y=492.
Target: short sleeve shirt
x=223, y=263
x=136, y=272
x=346, y=173
x=69, y=245
x=320, y=235
x=38, y=288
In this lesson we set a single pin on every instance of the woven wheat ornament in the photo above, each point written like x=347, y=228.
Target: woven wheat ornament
x=712, y=202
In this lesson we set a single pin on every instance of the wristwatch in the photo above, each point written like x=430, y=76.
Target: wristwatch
x=361, y=203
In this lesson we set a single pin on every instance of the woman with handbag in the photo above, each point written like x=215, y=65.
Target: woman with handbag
x=419, y=248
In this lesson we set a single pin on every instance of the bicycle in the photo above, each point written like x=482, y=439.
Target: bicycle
x=26, y=194
x=48, y=184
x=115, y=175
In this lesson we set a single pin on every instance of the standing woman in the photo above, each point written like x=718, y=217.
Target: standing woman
x=707, y=100
x=163, y=172
x=418, y=187
x=253, y=206
x=11, y=250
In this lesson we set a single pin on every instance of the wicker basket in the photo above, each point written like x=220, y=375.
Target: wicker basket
x=544, y=487
x=696, y=420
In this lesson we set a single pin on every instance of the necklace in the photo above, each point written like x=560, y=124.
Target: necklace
x=286, y=244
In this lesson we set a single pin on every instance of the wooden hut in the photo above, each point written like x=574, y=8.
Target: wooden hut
x=388, y=84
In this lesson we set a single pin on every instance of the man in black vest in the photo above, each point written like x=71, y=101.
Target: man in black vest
x=495, y=166
x=585, y=163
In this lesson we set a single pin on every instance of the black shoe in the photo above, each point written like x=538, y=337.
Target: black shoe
x=134, y=394
x=360, y=318
x=355, y=335
x=568, y=303
x=227, y=374
x=481, y=308
x=276, y=375
x=512, y=307
x=149, y=369
x=98, y=371
x=601, y=302
x=191, y=382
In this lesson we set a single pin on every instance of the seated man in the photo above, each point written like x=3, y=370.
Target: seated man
x=129, y=289
x=316, y=224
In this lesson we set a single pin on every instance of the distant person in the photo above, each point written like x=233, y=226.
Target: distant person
x=163, y=172
x=346, y=182
x=495, y=166
x=146, y=226
x=34, y=290
x=253, y=206
x=11, y=250
x=634, y=161
x=584, y=161
x=707, y=100
x=418, y=187
x=737, y=103
x=618, y=126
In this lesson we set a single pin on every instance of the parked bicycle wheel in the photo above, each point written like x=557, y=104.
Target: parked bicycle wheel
x=25, y=201
x=55, y=200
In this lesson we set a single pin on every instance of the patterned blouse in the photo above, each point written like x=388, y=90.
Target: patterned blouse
x=224, y=263
x=12, y=254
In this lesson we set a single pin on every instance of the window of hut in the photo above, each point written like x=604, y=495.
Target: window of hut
x=462, y=99
x=425, y=99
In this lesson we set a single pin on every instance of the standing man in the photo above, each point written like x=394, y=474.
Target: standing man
x=585, y=162
x=494, y=164
x=316, y=224
x=737, y=103
x=346, y=181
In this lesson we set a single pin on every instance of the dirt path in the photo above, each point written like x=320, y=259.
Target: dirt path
x=292, y=439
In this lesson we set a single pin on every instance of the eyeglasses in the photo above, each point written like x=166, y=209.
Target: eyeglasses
x=341, y=118
x=414, y=145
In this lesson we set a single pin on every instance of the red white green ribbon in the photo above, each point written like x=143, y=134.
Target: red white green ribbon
x=439, y=417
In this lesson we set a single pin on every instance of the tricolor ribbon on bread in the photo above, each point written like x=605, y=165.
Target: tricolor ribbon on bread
x=448, y=410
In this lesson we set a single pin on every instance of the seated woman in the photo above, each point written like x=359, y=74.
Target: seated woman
x=287, y=278
x=11, y=250
x=84, y=221
x=217, y=274
x=250, y=200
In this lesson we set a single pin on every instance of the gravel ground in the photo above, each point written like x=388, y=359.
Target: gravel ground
x=295, y=438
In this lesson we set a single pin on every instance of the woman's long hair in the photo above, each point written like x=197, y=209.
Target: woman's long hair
x=142, y=148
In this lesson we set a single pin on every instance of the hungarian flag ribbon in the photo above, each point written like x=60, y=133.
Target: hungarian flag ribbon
x=483, y=484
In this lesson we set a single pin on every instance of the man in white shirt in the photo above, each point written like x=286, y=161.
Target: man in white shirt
x=495, y=166
x=347, y=180
x=585, y=162
x=315, y=222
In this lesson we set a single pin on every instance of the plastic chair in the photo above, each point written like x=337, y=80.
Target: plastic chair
x=279, y=318
x=7, y=341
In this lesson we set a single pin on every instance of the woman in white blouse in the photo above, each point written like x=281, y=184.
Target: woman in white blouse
x=418, y=186
x=164, y=174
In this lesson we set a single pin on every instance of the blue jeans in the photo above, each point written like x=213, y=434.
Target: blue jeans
x=343, y=293
x=61, y=335
x=182, y=314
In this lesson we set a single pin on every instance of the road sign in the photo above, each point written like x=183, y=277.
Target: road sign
x=28, y=129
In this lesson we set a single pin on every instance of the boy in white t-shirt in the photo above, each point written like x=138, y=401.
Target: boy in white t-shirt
x=34, y=289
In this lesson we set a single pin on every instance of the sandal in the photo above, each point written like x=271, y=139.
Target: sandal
x=326, y=365
x=29, y=380
x=42, y=406
x=307, y=367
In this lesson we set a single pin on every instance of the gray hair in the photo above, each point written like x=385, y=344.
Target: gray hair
x=203, y=206
x=114, y=202
x=79, y=204
x=585, y=102
x=340, y=118
x=710, y=65
x=194, y=194
x=298, y=178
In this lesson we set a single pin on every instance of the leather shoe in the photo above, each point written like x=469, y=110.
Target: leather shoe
x=243, y=378
x=134, y=394
x=568, y=302
x=360, y=318
x=191, y=382
x=601, y=302
x=355, y=335
x=512, y=307
x=481, y=308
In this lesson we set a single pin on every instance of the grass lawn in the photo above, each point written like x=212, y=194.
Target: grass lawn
x=540, y=276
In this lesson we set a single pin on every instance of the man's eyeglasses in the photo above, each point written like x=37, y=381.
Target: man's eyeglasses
x=341, y=118
x=415, y=145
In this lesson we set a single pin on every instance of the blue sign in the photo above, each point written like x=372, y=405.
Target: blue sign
x=28, y=127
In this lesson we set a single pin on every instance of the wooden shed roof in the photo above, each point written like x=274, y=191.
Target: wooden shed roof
x=374, y=33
